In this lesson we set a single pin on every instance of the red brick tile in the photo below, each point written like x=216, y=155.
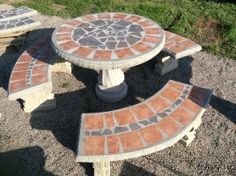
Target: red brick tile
x=103, y=54
x=124, y=117
x=40, y=69
x=21, y=75
x=109, y=120
x=17, y=86
x=25, y=58
x=64, y=30
x=130, y=141
x=38, y=79
x=42, y=61
x=123, y=53
x=152, y=31
x=158, y=103
x=32, y=51
x=134, y=18
x=191, y=106
x=177, y=48
x=175, y=85
x=151, y=39
x=73, y=22
x=151, y=134
x=63, y=37
x=104, y=16
x=199, y=94
x=168, y=34
x=94, y=145
x=83, y=51
x=113, y=143
x=170, y=94
x=141, y=47
x=169, y=44
x=181, y=115
x=176, y=38
x=21, y=66
x=146, y=23
x=89, y=18
x=187, y=43
x=120, y=16
x=169, y=126
x=142, y=111
x=93, y=122
x=68, y=45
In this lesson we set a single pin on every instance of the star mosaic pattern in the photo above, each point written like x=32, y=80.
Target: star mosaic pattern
x=108, y=36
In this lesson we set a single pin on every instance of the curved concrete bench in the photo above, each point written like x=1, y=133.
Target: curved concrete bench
x=15, y=13
x=172, y=114
x=175, y=48
x=30, y=78
x=178, y=46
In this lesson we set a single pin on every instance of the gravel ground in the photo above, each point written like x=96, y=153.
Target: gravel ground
x=44, y=143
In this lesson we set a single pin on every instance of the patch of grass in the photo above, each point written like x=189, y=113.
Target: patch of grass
x=212, y=23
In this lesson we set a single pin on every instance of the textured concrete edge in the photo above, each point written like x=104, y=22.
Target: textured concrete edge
x=27, y=91
x=112, y=64
x=21, y=28
x=28, y=14
x=185, y=53
x=144, y=151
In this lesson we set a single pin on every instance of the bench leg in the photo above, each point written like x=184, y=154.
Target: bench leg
x=165, y=64
x=101, y=168
x=42, y=100
x=62, y=66
x=190, y=136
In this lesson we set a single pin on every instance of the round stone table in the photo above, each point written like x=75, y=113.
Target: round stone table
x=109, y=42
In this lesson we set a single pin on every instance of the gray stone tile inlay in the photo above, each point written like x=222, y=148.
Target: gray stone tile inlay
x=143, y=123
x=14, y=12
x=15, y=23
x=108, y=34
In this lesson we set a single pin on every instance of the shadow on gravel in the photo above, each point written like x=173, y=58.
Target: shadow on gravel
x=64, y=121
x=225, y=107
x=132, y=170
x=23, y=162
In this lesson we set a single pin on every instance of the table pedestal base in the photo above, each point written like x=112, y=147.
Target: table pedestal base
x=111, y=86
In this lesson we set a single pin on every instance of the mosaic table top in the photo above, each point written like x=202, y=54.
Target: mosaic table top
x=108, y=40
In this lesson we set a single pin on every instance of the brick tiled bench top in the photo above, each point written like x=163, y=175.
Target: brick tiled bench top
x=179, y=46
x=17, y=25
x=19, y=12
x=31, y=70
x=147, y=127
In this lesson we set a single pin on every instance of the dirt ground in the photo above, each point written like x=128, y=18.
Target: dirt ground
x=44, y=143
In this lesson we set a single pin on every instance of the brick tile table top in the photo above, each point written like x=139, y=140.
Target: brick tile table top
x=147, y=127
x=179, y=46
x=108, y=40
x=31, y=68
x=19, y=12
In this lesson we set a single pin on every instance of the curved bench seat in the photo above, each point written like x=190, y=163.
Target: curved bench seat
x=178, y=46
x=30, y=78
x=152, y=125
